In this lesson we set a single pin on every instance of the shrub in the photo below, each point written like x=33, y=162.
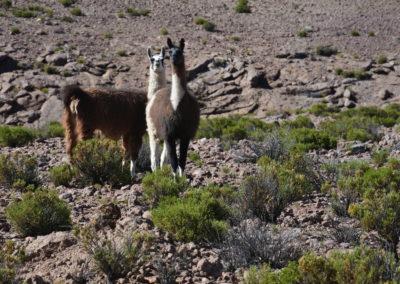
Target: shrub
x=381, y=59
x=107, y=36
x=311, y=139
x=233, y=128
x=15, y=136
x=77, y=12
x=354, y=33
x=199, y=21
x=163, y=32
x=135, y=12
x=19, y=171
x=380, y=157
x=302, y=33
x=67, y=3
x=323, y=109
x=326, y=50
x=198, y=216
x=67, y=19
x=161, y=184
x=381, y=212
x=23, y=13
x=242, y=7
x=5, y=4
x=121, y=52
x=39, y=213
x=299, y=122
x=38, y=8
x=61, y=175
x=208, y=26
x=49, y=69
x=242, y=247
x=52, y=128
x=371, y=34
x=114, y=260
x=99, y=161
x=15, y=30
x=362, y=265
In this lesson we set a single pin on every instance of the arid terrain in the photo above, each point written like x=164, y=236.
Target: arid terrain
x=266, y=64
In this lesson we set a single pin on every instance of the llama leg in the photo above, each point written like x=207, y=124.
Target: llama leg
x=164, y=155
x=84, y=131
x=183, y=148
x=70, y=134
x=154, y=150
x=171, y=148
x=132, y=144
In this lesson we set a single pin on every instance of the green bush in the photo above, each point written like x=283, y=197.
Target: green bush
x=15, y=136
x=199, y=21
x=278, y=184
x=234, y=128
x=381, y=59
x=77, y=12
x=380, y=211
x=61, y=175
x=15, y=30
x=362, y=265
x=326, y=50
x=39, y=213
x=137, y=12
x=38, y=8
x=198, y=216
x=302, y=33
x=5, y=4
x=19, y=171
x=161, y=184
x=10, y=259
x=163, y=32
x=49, y=69
x=242, y=7
x=121, y=52
x=99, y=161
x=323, y=109
x=52, y=128
x=299, y=122
x=67, y=19
x=354, y=33
x=67, y=3
x=208, y=26
x=21, y=13
x=115, y=261
x=380, y=157
x=312, y=139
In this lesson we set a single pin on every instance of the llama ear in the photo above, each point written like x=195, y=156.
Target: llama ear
x=149, y=54
x=163, y=51
x=182, y=44
x=169, y=43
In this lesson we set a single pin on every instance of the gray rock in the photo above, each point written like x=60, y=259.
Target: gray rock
x=57, y=59
x=384, y=94
x=210, y=266
x=349, y=104
x=256, y=78
x=350, y=94
x=48, y=244
x=52, y=109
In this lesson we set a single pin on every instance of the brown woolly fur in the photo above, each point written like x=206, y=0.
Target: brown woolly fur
x=173, y=113
x=117, y=113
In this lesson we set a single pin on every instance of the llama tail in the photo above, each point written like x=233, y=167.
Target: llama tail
x=71, y=96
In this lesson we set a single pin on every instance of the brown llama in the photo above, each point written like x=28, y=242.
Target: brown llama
x=117, y=113
x=173, y=114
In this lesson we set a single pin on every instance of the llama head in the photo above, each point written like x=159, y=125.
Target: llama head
x=176, y=53
x=157, y=60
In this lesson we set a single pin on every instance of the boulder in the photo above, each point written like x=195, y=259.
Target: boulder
x=384, y=94
x=7, y=63
x=52, y=109
x=45, y=246
x=57, y=59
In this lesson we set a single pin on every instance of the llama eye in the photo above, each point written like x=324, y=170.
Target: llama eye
x=152, y=60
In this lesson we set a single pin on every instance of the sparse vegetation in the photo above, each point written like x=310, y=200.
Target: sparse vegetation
x=302, y=33
x=15, y=30
x=326, y=50
x=19, y=171
x=67, y=3
x=67, y=19
x=354, y=33
x=120, y=15
x=5, y=4
x=21, y=13
x=50, y=69
x=52, y=128
x=323, y=109
x=61, y=175
x=381, y=59
x=163, y=32
x=77, y=12
x=99, y=161
x=15, y=136
x=208, y=26
x=371, y=34
x=121, y=53
x=380, y=157
x=107, y=36
x=137, y=12
x=242, y=7
x=39, y=213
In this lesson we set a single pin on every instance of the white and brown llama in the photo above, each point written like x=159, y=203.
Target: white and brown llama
x=173, y=114
x=116, y=113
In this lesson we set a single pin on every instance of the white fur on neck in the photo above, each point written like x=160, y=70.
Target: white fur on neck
x=156, y=82
x=177, y=91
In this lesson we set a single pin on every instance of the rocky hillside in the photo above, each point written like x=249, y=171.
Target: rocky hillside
x=272, y=64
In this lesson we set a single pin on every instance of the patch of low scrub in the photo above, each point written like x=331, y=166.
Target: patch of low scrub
x=19, y=171
x=99, y=161
x=113, y=259
x=5, y=4
x=15, y=136
x=137, y=12
x=67, y=3
x=323, y=109
x=208, y=26
x=10, y=258
x=39, y=213
x=242, y=6
x=198, y=216
x=52, y=128
x=326, y=50
x=362, y=265
x=62, y=175
x=161, y=184
x=77, y=12
x=312, y=139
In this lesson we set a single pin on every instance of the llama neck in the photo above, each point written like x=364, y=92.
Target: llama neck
x=178, y=87
x=156, y=82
